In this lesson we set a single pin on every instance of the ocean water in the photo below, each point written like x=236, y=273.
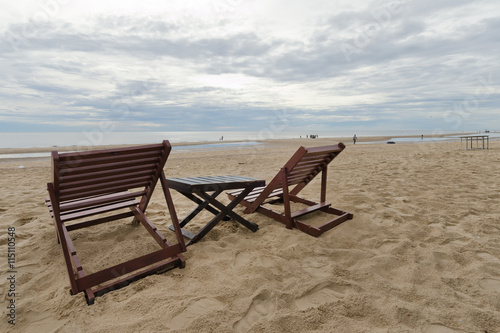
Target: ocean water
x=97, y=138
x=203, y=139
x=175, y=148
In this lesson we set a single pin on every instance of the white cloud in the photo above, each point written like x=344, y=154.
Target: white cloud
x=228, y=63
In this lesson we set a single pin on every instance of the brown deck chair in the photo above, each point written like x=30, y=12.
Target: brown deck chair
x=119, y=183
x=304, y=165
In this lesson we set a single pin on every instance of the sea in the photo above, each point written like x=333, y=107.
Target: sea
x=199, y=139
x=97, y=138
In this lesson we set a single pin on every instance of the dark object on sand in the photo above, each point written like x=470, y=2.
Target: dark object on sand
x=88, y=184
x=196, y=188
x=304, y=165
x=391, y=142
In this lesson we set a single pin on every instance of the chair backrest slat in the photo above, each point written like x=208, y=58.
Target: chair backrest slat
x=113, y=189
x=95, y=179
x=109, y=158
x=94, y=201
x=79, y=156
x=89, y=174
x=305, y=169
x=309, y=161
x=105, y=184
x=312, y=162
x=76, y=169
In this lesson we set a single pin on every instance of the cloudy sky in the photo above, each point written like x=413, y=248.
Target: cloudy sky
x=67, y=65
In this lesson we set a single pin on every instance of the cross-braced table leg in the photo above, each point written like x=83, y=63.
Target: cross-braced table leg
x=201, y=205
x=224, y=211
x=250, y=225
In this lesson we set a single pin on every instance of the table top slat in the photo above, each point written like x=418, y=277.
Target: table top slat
x=188, y=184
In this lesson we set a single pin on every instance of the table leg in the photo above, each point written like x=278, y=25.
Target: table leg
x=201, y=205
x=250, y=225
x=225, y=210
x=229, y=209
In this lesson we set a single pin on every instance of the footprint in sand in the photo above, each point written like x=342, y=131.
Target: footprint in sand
x=263, y=306
x=488, y=257
x=270, y=264
x=490, y=284
x=387, y=245
x=248, y=259
x=443, y=261
x=195, y=308
x=317, y=268
x=436, y=328
x=242, y=259
x=23, y=221
x=43, y=322
x=319, y=295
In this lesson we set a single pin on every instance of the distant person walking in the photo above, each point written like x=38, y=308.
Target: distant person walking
x=354, y=138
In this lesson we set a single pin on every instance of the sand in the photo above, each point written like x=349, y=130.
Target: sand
x=422, y=253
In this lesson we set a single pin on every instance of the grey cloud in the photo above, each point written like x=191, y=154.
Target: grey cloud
x=404, y=62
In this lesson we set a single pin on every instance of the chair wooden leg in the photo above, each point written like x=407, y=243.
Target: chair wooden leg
x=286, y=200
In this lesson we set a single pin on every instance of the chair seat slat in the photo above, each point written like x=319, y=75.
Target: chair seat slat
x=68, y=216
x=99, y=200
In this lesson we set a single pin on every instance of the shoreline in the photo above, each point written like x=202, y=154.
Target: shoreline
x=310, y=142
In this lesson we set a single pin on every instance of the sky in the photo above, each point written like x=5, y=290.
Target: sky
x=237, y=65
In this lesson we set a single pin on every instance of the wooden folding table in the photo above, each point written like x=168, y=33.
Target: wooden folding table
x=197, y=190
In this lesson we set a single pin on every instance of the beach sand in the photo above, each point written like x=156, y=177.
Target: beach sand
x=422, y=253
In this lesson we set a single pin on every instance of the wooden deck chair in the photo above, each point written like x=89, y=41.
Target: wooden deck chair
x=107, y=185
x=304, y=165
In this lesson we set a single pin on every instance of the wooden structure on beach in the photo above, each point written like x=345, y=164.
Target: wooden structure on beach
x=302, y=167
x=479, y=141
x=204, y=191
x=109, y=185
